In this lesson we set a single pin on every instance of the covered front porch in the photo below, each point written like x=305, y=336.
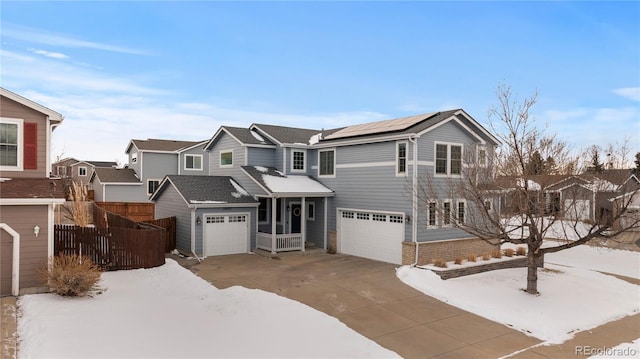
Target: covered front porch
x=292, y=215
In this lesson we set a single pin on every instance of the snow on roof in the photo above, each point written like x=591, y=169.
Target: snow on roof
x=239, y=190
x=294, y=184
x=315, y=138
x=257, y=136
x=261, y=169
x=194, y=201
x=531, y=185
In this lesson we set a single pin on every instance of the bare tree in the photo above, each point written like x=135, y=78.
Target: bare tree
x=523, y=211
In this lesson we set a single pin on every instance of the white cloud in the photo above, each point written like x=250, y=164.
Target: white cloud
x=31, y=35
x=632, y=93
x=53, y=55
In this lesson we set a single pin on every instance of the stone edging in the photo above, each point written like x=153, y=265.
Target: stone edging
x=448, y=273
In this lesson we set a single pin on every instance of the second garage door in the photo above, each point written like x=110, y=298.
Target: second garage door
x=371, y=234
x=226, y=234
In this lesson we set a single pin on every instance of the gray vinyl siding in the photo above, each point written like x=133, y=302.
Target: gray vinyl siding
x=314, y=228
x=258, y=156
x=122, y=193
x=194, y=151
x=170, y=204
x=157, y=165
x=134, y=165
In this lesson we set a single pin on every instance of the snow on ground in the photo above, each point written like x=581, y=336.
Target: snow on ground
x=615, y=261
x=171, y=313
x=571, y=299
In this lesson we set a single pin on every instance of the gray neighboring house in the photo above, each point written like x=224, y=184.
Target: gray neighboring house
x=153, y=159
x=77, y=170
x=214, y=214
x=352, y=184
x=117, y=185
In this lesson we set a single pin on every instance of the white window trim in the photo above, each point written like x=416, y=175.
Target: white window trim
x=80, y=171
x=304, y=160
x=334, y=163
x=268, y=214
x=486, y=156
x=457, y=218
x=233, y=160
x=452, y=208
x=193, y=169
x=309, y=211
x=437, y=214
x=435, y=159
x=134, y=157
x=20, y=153
x=406, y=159
x=152, y=179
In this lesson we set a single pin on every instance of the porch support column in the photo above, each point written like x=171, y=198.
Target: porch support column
x=324, y=205
x=273, y=225
x=303, y=221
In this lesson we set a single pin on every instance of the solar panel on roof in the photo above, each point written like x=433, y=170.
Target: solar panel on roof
x=378, y=127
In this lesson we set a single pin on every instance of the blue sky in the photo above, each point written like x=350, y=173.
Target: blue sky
x=179, y=70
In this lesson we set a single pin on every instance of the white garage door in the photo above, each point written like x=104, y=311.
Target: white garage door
x=577, y=209
x=226, y=234
x=369, y=234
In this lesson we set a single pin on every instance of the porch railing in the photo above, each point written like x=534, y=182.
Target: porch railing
x=284, y=242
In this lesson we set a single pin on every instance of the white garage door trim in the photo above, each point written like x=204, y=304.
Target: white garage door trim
x=232, y=228
x=371, y=234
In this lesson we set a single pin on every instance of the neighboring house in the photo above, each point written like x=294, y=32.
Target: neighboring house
x=78, y=171
x=152, y=159
x=352, y=184
x=117, y=185
x=28, y=195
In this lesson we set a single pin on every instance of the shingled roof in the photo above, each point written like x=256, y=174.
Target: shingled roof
x=206, y=190
x=153, y=144
x=274, y=181
x=289, y=135
x=31, y=188
x=115, y=175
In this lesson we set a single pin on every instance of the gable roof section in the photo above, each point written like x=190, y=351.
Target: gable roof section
x=243, y=136
x=104, y=164
x=115, y=175
x=31, y=188
x=206, y=191
x=287, y=135
x=160, y=145
x=378, y=127
x=53, y=115
x=277, y=183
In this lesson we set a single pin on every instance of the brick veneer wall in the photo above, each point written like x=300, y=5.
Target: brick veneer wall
x=445, y=250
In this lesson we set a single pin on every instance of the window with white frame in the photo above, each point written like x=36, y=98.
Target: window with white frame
x=482, y=156
x=448, y=159
x=11, y=143
x=193, y=162
x=226, y=158
x=401, y=158
x=263, y=210
x=311, y=211
x=61, y=171
x=152, y=185
x=298, y=160
x=82, y=171
x=432, y=214
x=327, y=163
x=461, y=210
x=446, y=213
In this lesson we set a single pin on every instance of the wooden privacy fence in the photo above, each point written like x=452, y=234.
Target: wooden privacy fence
x=135, y=211
x=169, y=224
x=113, y=248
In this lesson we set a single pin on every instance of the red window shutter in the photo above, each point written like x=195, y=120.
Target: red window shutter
x=30, y=146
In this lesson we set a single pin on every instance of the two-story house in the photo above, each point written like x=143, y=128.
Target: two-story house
x=77, y=170
x=149, y=161
x=28, y=195
x=356, y=184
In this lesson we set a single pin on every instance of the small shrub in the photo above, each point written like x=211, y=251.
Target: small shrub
x=509, y=252
x=72, y=276
x=440, y=263
x=472, y=257
x=486, y=256
x=458, y=260
x=521, y=251
x=496, y=254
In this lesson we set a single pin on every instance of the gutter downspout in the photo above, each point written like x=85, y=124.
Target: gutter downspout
x=414, y=195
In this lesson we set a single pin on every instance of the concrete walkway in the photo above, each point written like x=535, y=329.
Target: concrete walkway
x=8, y=328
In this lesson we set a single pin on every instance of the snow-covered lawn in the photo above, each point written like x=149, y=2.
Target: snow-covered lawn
x=168, y=312
x=572, y=299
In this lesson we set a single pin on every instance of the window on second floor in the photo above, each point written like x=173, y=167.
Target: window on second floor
x=18, y=144
x=82, y=171
x=448, y=159
x=193, y=162
x=326, y=163
x=432, y=214
x=298, y=161
x=226, y=158
x=152, y=185
x=401, y=158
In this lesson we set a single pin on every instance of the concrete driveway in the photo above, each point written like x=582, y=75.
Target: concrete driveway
x=368, y=297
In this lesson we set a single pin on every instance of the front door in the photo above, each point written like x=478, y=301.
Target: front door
x=296, y=216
